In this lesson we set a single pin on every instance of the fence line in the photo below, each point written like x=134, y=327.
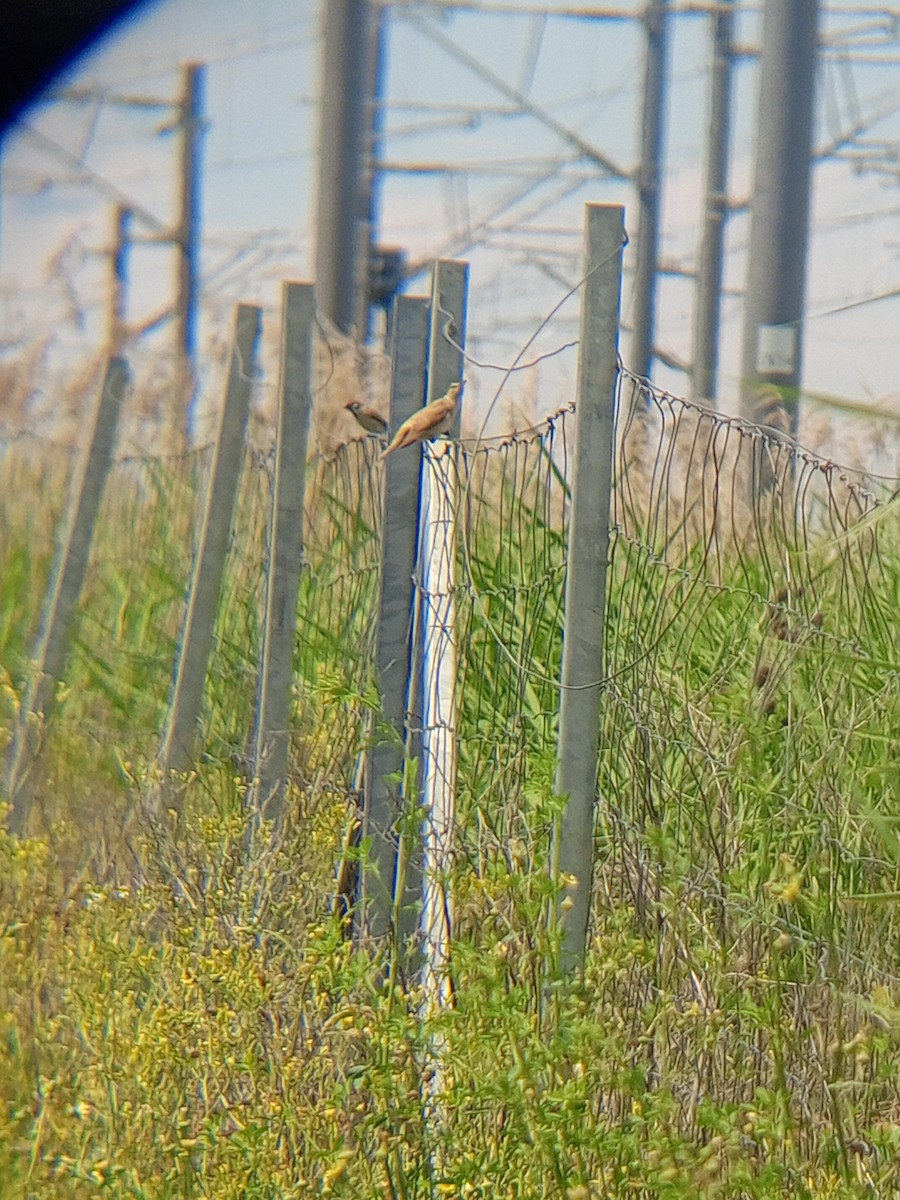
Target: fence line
x=749, y=697
x=66, y=585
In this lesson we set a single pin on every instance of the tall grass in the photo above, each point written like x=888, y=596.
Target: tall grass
x=200, y=1025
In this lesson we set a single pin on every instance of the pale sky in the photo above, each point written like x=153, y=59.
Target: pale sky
x=259, y=179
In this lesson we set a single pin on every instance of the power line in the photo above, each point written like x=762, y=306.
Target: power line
x=844, y=51
x=540, y=114
x=103, y=185
x=890, y=294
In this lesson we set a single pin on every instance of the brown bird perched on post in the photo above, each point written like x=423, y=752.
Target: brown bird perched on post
x=434, y=419
x=370, y=420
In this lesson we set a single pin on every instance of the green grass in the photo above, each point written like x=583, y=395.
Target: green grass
x=180, y=1017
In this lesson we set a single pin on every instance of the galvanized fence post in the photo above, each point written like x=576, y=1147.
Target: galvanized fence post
x=177, y=749
x=393, y=647
x=447, y=339
x=62, y=596
x=585, y=600
x=271, y=733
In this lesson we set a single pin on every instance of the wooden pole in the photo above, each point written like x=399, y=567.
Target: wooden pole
x=118, y=282
x=187, y=235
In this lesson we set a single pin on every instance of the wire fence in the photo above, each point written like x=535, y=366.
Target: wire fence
x=746, y=837
x=746, y=779
x=132, y=603
x=337, y=604
x=510, y=618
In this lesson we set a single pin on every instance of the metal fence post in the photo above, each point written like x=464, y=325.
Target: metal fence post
x=449, y=299
x=588, y=549
x=271, y=734
x=392, y=643
x=437, y=602
x=177, y=749
x=62, y=595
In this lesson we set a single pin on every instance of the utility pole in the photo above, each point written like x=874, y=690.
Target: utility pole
x=190, y=121
x=342, y=208
x=655, y=23
x=379, y=260
x=708, y=296
x=779, y=222
x=118, y=281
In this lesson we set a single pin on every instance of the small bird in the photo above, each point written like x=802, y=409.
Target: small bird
x=434, y=419
x=370, y=420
